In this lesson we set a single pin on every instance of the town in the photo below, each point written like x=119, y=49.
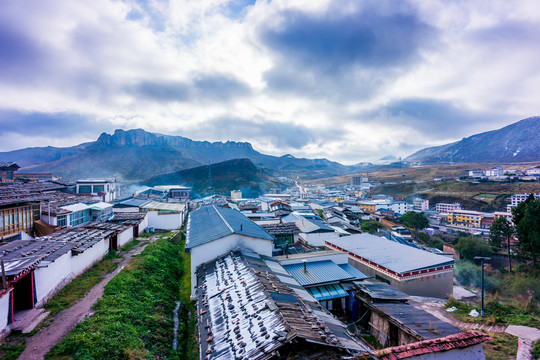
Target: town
x=302, y=272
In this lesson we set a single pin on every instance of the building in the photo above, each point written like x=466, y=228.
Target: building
x=446, y=208
x=515, y=199
x=533, y=171
x=105, y=189
x=164, y=215
x=465, y=218
x=476, y=173
x=313, y=231
x=507, y=215
x=236, y=194
x=213, y=231
x=36, y=269
x=250, y=308
x=284, y=233
x=420, y=204
x=7, y=171
x=408, y=269
x=358, y=180
x=16, y=216
x=495, y=172
x=167, y=193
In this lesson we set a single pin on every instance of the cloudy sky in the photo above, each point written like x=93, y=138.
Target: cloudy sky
x=347, y=80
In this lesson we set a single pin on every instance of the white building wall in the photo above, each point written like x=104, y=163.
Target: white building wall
x=143, y=225
x=125, y=236
x=317, y=239
x=89, y=257
x=4, y=314
x=52, y=277
x=165, y=222
x=211, y=250
x=126, y=209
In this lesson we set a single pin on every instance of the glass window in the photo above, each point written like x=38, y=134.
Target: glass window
x=98, y=188
x=9, y=175
x=62, y=220
x=85, y=189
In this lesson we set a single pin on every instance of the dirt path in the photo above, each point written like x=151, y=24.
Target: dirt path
x=40, y=344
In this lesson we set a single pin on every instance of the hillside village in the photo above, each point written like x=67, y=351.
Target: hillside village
x=308, y=272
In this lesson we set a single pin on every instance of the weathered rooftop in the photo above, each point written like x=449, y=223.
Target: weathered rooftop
x=277, y=229
x=246, y=312
x=320, y=272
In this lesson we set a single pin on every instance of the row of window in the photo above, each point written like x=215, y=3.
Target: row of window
x=18, y=219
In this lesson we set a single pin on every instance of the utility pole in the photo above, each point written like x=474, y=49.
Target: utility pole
x=482, y=259
x=209, y=174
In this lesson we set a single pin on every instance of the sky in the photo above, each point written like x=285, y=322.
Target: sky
x=350, y=81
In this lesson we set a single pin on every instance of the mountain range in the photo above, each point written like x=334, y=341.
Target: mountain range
x=136, y=155
x=518, y=142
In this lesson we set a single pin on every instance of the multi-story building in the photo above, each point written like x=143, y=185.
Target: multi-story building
x=106, y=189
x=420, y=204
x=465, y=218
x=236, y=194
x=477, y=173
x=446, y=208
x=495, y=172
x=507, y=215
x=358, y=180
x=518, y=198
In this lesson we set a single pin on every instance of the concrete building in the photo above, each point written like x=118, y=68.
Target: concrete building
x=446, y=208
x=420, y=204
x=165, y=216
x=106, y=189
x=476, y=173
x=411, y=270
x=495, y=172
x=465, y=218
x=515, y=199
x=236, y=194
x=168, y=193
x=16, y=216
x=213, y=231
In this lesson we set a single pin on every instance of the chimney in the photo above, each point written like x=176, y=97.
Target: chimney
x=305, y=266
x=241, y=227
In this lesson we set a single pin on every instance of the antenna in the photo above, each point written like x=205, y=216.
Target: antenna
x=209, y=174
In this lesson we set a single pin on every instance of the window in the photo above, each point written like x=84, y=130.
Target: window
x=85, y=189
x=9, y=175
x=98, y=188
x=61, y=220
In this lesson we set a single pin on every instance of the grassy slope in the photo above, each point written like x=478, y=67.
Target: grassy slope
x=134, y=317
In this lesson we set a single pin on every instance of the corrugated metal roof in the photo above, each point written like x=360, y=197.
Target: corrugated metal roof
x=157, y=205
x=318, y=272
x=210, y=223
x=353, y=271
x=100, y=206
x=392, y=255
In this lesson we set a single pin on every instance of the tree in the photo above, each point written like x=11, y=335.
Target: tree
x=415, y=220
x=470, y=246
x=501, y=232
x=527, y=221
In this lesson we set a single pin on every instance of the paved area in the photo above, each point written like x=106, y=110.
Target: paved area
x=43, y=341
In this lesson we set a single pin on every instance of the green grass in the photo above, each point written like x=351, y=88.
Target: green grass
x=79, y=286
x=11, y=351
x=130, y=245
x=502, y=346
x=133, y=319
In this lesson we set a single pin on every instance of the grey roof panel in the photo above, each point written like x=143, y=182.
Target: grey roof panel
x=318, y=272
x=392, y=255
x=210, y=223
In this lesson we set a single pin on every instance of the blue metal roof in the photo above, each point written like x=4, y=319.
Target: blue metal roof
x=327, y=292
x=318, y=272
x=358, y=275
x=210, y=223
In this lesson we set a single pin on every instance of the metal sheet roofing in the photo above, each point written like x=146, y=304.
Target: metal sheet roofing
x=76, y=207
x=389, y=254
x=318, y=272
x=354, y=271
x=157, y=205
x=327, y=292
x=100, y=206
x=210, y=223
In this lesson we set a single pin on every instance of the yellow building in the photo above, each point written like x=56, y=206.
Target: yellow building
x=368, y=206
x=465, y=218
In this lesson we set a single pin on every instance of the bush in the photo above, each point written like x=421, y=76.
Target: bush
x=470, y=246
x=469, y=274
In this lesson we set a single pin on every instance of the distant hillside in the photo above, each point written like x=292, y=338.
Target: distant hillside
x=518, y=142
x=135, y=155
x=238, y=174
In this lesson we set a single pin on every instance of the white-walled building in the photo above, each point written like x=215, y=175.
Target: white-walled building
x=446, y=208
x=105, y=188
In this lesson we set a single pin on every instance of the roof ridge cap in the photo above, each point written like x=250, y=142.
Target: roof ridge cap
x=222, y=218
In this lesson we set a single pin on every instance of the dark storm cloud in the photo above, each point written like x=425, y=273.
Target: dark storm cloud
x=436, y=118
x=337, y=50
x=281, y=135
x=203, y=88
x=53, y=125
